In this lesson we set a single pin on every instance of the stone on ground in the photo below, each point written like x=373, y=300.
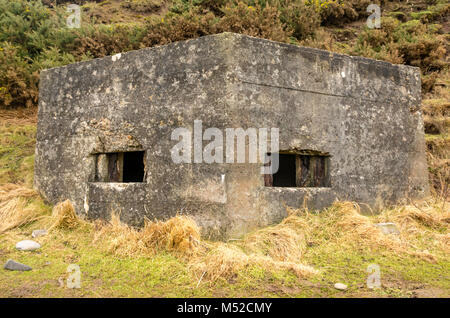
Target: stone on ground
x=340, y=286
x=28, y=245
x=37, y=233
x=388, y=228
x=16, y=266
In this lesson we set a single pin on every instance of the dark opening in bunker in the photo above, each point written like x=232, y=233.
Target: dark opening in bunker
x=120, y=167
x=133, y=166
x=285, y=176
x=299, y=170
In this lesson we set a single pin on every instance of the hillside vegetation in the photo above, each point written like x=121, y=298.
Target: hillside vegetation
x=304, y=255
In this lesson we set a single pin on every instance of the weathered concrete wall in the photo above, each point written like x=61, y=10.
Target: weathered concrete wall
x=364, y=113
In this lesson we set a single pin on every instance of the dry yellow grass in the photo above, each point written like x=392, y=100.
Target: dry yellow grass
x=224, y=261
x=283, y=242
x=426, y=215
x=19, y=116
x=15, y=208
x=279, y=247
x=121, y=239
x=179, y=234
x=275, y=248
x=221, y=261
x=423, y=219
x=16, y=212
x=64, y=216
x=11, y=191
x=344, y=225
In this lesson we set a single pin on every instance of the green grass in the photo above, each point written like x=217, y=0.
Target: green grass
x=400, y=275
x=17, y=152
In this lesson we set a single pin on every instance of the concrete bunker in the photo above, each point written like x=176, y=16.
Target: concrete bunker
x=350, y=128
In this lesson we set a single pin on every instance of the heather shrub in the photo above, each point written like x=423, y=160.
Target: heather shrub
x=142, y=5
x=439, y=11
x=412, y=43
x=290, y=17
x=214, y=6
x=300, y=19
x=30, y=26
x=177, y=27
x=255, y=20
x=30, y=36
x=19, y=76
x=18, y=79
x=33, y=38
x=338, y=12
x=242, y=18
x=101, y=40
x=426, y=52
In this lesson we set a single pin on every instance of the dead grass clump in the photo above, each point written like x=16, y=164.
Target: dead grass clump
x=353, y=223
x=283, y=242
x=121, y=239
x=422, y=225
x=15, y=206
x=10, y=191
x=19, y=116
x=428, y=216
x=179, y=234
x=361, y=230
x=344, y=225
x=225, y=261
x=64, y=216
x=278, y=247
x=16, y=212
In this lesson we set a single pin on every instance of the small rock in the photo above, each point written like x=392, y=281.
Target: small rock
x=37, y=233
x=388, y=228
x=27, y=245
x=340, y=286
x=16, y=266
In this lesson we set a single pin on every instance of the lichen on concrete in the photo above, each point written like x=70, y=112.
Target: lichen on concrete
x=362, y=113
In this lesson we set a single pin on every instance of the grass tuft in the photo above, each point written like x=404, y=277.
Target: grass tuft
x=64, y=216
x=17, y=206
x=179, y=234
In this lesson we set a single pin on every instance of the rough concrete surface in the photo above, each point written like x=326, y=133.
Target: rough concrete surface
x=364, y=114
